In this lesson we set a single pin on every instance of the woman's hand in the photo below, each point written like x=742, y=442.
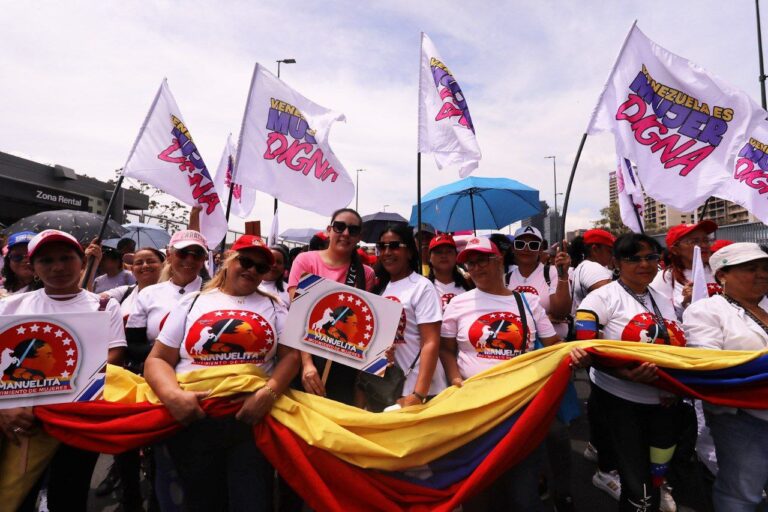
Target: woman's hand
x=16, y=423
x=409, y=400
x=563, y=261
x=644, y=373
x=390, y=355
x=311, y=381
x=184, y=406
x=255, y=407
x=457, y=381
x=580, y=358
x=93, y=250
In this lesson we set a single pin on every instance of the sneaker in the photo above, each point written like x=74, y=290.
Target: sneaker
x=590, y=453
x=608, y=482
x=667, y=503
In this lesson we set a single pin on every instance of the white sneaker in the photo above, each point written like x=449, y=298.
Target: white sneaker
x=608, y=482
x=667, y=503
x=590, y=453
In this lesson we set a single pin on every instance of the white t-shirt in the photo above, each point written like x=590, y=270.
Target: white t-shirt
x=585, y=275
x=446, y=292
x=127, y=305
x=672, y=291
x=488, y=329
x=269, y=287
x=536, y=284
x=105, y=283
x=421, y=305
x=715, y=323
x=613, y=311
x=224, y=329
x=38, y=302
x=154, y=302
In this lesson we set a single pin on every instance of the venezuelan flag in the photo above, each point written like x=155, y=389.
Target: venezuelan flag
x=426, y=457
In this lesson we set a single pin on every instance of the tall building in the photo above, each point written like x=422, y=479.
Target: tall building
x=725, y=212
x=613, y=189
x=537, y=220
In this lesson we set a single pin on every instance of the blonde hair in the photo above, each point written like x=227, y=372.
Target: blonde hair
x=165, y=272
x=218, y=280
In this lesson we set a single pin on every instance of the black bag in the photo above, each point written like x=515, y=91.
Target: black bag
x=381, y=392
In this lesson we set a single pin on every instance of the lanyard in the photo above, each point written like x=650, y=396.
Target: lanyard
x=750, y=314
x=658, y=318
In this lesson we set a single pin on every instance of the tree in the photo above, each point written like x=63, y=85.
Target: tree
x=610, y=220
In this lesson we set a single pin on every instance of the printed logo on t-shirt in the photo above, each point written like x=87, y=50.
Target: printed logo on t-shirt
x=644, y=329
x=38, y=358
x=445, y=299
x=497, y=335
x=229, y=337
x=524, y=288
x=343, y=323
x=400, y=333
x=714, y=289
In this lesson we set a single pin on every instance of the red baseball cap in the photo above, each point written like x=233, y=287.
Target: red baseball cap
x=442, y=239
x=599, y=236
x=478, y=244
x=677, y=232
x=52, y=235
x=321, y=235
x=719, y=244
x=256, y=243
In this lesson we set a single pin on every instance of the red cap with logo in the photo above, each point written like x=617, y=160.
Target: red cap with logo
x=52, y=235
x=478, y=244
x=719, y=244
x=255, y=243
x=599, y=236
x=677, y=232
x=442, y=239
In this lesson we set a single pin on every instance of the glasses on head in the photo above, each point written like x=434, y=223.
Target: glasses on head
x=246, y=263
x=531, y=245
x=701, y=242
x=650, y=258
x=339, y=227
x=197, y=254
x=392, y=246
x=479, y=262
x=17, y=258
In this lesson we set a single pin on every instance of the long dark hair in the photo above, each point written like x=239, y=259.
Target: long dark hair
x=414, y=262
x=458, y=278
x=354, y=258
x=279, y=282
x=630, y=244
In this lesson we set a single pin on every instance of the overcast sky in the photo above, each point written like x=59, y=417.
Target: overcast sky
x=78, y=77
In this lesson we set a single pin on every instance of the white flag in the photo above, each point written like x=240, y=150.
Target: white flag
x=243, y=198
x=165, y=156
x=631, y=201
x=284, y=149
x=700, y=289
x=748, y=182
x=445, y=126
x=673, y=119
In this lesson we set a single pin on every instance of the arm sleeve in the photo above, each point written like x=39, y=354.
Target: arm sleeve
x=593, y=274
x=116, y=332
x=553, y=277
x=543, y=326
x=702, y=326
x=450, y=325
x=427, y=306
x=172, y=333
x=298, y=268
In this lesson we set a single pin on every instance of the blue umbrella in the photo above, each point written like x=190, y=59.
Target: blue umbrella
x=147, y=235
x=477, y=203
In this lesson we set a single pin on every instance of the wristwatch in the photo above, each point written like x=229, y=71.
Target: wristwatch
x=420, y=397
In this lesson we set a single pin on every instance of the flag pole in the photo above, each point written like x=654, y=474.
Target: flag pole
x=418, y=206
x=760, y=53
x=107, y=214
x=570, y=183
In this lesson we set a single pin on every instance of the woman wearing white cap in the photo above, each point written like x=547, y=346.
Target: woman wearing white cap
x=482, y=328
x=57, y=259
x=230, y=322
x=735, y=320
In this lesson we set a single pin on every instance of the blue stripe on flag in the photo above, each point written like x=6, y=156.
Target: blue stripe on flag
x=747, y=373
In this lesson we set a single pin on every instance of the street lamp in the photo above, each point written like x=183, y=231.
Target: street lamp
x=385, y=207
x=554, y=174
x=357, y=187
x=284, y=61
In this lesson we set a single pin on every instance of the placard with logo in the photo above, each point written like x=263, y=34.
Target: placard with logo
x=341, y=323
x=52, y=358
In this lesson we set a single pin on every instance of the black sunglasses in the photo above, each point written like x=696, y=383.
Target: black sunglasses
x=650, y=258
x=520, y=245
x=197, y=254
x=392, y=246
x=246, y=263
x=339, y=227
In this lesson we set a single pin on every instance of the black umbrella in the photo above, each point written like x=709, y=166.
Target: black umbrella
x=84, y=226
x=374, y=224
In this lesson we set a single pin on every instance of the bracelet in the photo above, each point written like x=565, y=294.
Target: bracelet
x=271, y=392
x=420, y=397
x=562, y=280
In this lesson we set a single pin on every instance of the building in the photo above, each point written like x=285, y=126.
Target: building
x=613, y=189
x=537, y=221
x=551, y=231
x=28, y=187
x=725, y=212
x=663, y=216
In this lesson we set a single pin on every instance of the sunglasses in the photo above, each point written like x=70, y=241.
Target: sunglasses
x=479, y=262
x=392, y=246
x=246, y=263
x=197, y=254
x=650, y=258
x=340, y=226
x=17, y=258
x=521, y=245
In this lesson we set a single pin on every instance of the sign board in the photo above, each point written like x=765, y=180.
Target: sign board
x=341, y=323
x=52, y=358
x=32, y=193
